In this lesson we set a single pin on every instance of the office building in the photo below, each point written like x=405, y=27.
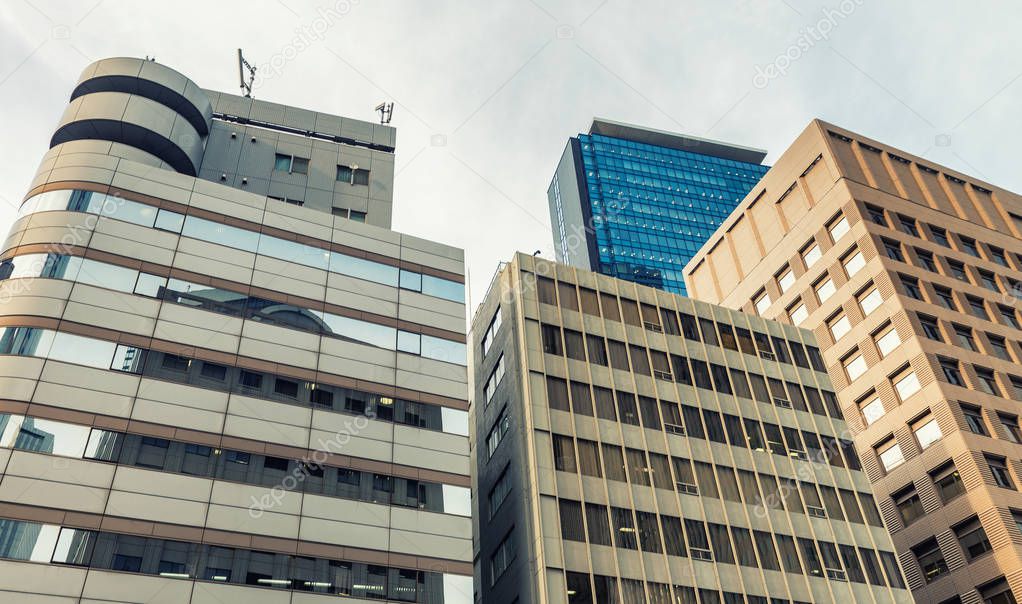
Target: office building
x=637, y=203
x=635, y=446
x=224, y=379
x=907, y=272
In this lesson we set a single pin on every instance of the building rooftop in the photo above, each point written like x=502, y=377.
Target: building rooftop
x=672, y=140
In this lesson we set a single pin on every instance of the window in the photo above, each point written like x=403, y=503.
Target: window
x=986, y=380
x=597, y=349
x=494, y=380
x=908, y=225
x=906, y=384
x=952, y=374
x=564, y=454
x=974, y=419
x=291, y=164
x=501, y=559
x=870, y=301
x=927, y=431
x=989, y=281
x=926, y=260
x=497, y=432
x=957, y=270
x=552, y=340
x=573, y=347
x=968, y=245
x=786, y=280
x=1007, y=316
x=352, y=175
x=876, y=215
x=997, y=592
x=839, y=326
x=947, y=300
x=972, y=538
x=997, y=256
x=1011, y=427
x=939, y=235
x=930, y=328
x=557, y=393
x=964, y=336
x=893, y=250
x=887, y=340
x=499, y=492
x=948, y=482
x=999, y=347
x=491, y=331
x=798, y=313
x=598, y=524
x=810, y=254
x=977, y=308
x=854, y=263
x=931, y=559
x=999, y=469
x=825, y=289
x=855, y=366
x=911, y=287
x=872, y=409
x=762, y=302
x=838, y=228
x=572, y=528
x=910, y=508
x=890, y=454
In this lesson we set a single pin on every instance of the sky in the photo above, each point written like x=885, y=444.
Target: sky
x=487, y=94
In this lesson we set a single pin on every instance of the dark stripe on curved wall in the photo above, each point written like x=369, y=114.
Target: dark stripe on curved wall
x=128, y=134
x=150, y=90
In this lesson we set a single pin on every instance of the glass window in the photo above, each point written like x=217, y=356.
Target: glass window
x=872, y=409
x=838, y=229
x=811, y=254
x=839, y=326
x=906, y=384
x=890, y=455
x=870, y=301
x=854, y=263
x=887, y=341
x=798, y=314
x=999, y=469
x=909, y=506
x=786, y=280
x=972, y=538
x=762, y=303
x=974, y=419
x=927, y=431
x=948, y=482
x=855, y=366
x=930, y=559
x=825, y=289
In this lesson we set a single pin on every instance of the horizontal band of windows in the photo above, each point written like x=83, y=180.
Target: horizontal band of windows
x=721, y=544
x=120, y=208
x=734, y=381
x=696, y=478
x=102, y=354
x=170, y=559
x=230, y=303
x=163, y=455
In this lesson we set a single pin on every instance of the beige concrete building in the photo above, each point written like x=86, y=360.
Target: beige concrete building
x=906, y=271
x=210, y=393
x=635, y=446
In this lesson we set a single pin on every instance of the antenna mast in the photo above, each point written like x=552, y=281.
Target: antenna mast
x=243, y=66
x=386, y=112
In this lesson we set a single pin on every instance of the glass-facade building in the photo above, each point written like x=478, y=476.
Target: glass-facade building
x=636, y=203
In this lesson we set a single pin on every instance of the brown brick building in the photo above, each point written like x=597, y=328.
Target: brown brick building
x=906, y=271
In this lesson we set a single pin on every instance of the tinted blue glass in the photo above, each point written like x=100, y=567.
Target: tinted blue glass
x=654, y=207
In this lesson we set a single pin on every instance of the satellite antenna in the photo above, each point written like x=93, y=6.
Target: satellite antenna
x=386, y=112
x=243, y=66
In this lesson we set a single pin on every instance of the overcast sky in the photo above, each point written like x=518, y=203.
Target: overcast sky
x=487, y=93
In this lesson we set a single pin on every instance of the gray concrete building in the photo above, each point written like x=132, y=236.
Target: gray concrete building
x=222, y=377
x=635, y=446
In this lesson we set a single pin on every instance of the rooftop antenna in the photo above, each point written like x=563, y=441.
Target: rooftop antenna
x=244, y=66
x=386, y=112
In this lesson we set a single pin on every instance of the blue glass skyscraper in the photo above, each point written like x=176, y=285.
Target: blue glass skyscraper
x=636, y=203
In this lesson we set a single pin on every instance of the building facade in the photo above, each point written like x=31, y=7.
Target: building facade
x=637, y=203
x=635, y=446
x=907, y=272
x=209, y=394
